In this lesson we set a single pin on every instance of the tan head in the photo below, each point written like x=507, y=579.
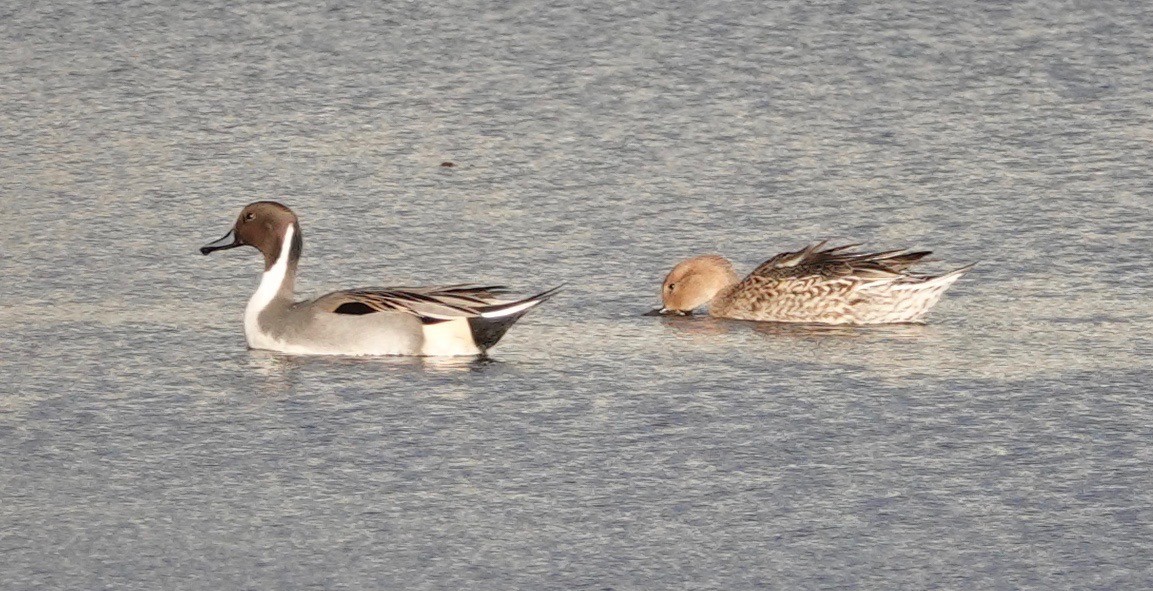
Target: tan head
x=695, y=282
x=262, y=225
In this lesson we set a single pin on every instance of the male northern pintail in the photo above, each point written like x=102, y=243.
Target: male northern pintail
x=831, y=286
x=449, y=320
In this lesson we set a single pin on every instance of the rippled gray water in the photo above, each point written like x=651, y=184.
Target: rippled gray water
x=1004, y=445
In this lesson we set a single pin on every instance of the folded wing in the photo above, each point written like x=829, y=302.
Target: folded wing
x=444, y=302
x=430, y=304
x=841, y=262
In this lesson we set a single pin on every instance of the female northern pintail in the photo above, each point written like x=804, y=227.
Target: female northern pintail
x=831, y=286
x=449, y=320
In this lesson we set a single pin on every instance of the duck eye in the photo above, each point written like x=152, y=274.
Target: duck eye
x=248, y=217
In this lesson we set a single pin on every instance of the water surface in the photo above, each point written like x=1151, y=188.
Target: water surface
x=1003, y=445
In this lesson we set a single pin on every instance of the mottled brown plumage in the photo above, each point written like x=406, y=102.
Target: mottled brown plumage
x=819, y=285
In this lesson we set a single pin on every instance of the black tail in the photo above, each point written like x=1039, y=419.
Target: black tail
x=490, y=326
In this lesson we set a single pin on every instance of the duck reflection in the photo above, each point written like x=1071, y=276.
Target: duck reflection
x=885, y=331
x=271, y=363
x=705, y=326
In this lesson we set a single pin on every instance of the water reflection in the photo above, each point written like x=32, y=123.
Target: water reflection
x=280, y=375
x=271, y=363
x=707, y=325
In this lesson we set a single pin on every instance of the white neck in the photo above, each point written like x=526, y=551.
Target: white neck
x=270, y=284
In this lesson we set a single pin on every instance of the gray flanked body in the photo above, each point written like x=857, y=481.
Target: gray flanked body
x=458, y=319
x=830, y=286
x=301, y=328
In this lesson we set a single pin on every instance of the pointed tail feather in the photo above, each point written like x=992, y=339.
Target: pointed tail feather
x=941, y=282
x=948, y=278
x=488, y=328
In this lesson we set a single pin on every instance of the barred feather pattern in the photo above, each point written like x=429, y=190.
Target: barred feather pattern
x=835, y=286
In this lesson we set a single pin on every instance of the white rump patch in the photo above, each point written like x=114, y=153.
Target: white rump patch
x=453, y=337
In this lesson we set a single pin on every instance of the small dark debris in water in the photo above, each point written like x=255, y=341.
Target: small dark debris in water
x=447, y=164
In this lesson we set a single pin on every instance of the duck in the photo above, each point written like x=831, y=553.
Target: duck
x=817, y=285
x=450, y=320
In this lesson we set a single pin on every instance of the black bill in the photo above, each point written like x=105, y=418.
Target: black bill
x=228, y=241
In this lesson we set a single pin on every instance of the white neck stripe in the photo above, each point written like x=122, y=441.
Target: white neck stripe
x=270, y=283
